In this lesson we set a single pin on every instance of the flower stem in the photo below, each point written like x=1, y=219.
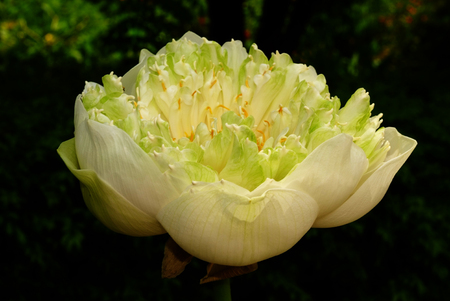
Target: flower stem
x=221, y=290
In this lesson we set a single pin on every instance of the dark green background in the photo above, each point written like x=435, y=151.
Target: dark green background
x=52, y=247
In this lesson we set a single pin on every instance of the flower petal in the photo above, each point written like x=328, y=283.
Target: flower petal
x=370, y=193
x=218, y=224
x=190, y=36
x=243, y=167
x=109, y=206
x=236, y=55
x=129, y=79
x=219, y=150
x=330, y=173
x=121, y=163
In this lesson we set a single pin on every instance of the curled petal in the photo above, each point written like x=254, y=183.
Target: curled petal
x=121, y=163
x=370, y=193
x=217, y=225
x=109, y=206
x=330, y=173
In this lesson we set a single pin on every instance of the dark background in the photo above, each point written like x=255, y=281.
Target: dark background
x=52, y=247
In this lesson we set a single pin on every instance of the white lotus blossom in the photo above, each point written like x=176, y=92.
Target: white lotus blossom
x=233, y=154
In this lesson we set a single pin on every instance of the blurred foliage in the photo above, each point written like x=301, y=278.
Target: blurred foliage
x=252, y=12
x=51, y=28
x=56, y=30
x=396, y=25
x=53, y=247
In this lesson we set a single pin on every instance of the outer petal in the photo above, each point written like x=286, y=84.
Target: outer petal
x=121, y=163
x=370, y=193
x=109, y=206
x=330, y=173
x=218, y=224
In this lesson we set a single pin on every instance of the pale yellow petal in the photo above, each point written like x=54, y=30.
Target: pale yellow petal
x=129, y=79
x=370, y=193
x=217, y=225
x=330, y=173
x=121, y=163
x=109, y=206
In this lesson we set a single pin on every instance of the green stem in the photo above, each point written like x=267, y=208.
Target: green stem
x=222, y=291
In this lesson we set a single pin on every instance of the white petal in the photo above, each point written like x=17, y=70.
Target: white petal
x=193, y=37
x=330, y=173
x=220, y=226
x=81, y=115
x=236, y=55
x=190, y=36
x=370, y=193
x=121, y=163
x=129, y=79
x=111, y=208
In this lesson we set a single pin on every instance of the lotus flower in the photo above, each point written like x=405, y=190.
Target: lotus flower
x=233, y=154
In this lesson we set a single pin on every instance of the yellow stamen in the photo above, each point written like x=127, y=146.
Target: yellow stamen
x=194, y=92
x=179, y=103
x=260, y=146
x=245, y=112
x=138, y=93
x=260, y=143
x=163, y=86
x=280, y=110
x=209, y=108
x=213, y=83
x=268, y=123
x=240, y=95
x=222, y=106
x=263, y=135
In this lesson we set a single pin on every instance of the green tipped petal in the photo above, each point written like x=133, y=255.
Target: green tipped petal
x=243, y=167
x=219, y=226
x=219, y=150
x=198, y=172
x=356, y=112
x=112, y=84
x=92, y=95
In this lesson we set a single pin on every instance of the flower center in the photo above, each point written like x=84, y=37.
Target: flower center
x=241, y=116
